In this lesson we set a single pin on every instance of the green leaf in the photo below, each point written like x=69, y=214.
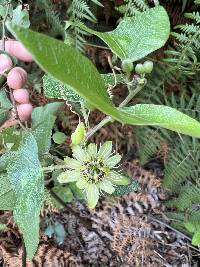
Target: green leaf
x=190, y=227
x=21, y=17
x=68, y=66
x=64, y=193
x=5, y=106
x=43, y=119
x=59, y=138
x=136, y=37
x=10, y=138
x=162, y=116
x=126, y=189
x=26, y=177
x=7, y=195
x=110, y=79
x=196, y=238
x=54, y=89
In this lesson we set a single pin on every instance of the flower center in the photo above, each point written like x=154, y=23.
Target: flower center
x=94, y=171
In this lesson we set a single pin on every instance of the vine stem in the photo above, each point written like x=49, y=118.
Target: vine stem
x=53, y=168
x=108, y=119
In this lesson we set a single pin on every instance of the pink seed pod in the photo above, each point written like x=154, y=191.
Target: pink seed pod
x=5, y=63
x=16, y=78
x=24, y=111
x=21, y=96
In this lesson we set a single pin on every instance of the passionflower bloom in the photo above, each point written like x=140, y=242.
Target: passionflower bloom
x=93, y=171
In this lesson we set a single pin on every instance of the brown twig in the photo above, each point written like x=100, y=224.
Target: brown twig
x=15, y=109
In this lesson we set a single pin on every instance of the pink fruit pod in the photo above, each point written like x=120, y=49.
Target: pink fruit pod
x=5, y=63
x=16, y=78
x=24, y=111
x=21, y=96
x=17, y=50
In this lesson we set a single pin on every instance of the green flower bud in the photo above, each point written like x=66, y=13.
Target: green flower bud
x=79, y=134
x=148, y=66
x=142, y=81
x=139, y=69
x=127, y=65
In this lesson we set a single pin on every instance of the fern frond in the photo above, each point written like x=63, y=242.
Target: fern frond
x=149, y=141
x=132, y=7
x=188, y=197
x=187, y=46
x=79, y=12
x=182, y=164
x=194, y=16
x=52, y=17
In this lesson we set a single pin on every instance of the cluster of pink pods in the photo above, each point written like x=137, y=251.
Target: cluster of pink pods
x=16, y=78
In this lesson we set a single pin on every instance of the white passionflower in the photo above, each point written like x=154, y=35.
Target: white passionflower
x=93, y=171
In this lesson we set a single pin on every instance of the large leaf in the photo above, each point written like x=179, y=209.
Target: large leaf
x=43, y=119
x=135, y=37
x=7, y=195
x=26, y=177
x=163, y=116
x=67, y=65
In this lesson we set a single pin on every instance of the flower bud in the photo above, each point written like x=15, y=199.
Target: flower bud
x=148, y=66
x=142, y=81
x=127, y=65
x=139, y=69
x=79, y=134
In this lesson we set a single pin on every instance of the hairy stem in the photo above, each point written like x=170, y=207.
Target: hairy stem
x=106, y=120
x=54, y=167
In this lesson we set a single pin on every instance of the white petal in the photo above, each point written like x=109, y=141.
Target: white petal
x=107, y=187
x=92, y=150
x=68, y=177
x=72, y=163
x=79, y=153
x=92, y=193
x=81, y=183
x=112, y=161
x=105, y=150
